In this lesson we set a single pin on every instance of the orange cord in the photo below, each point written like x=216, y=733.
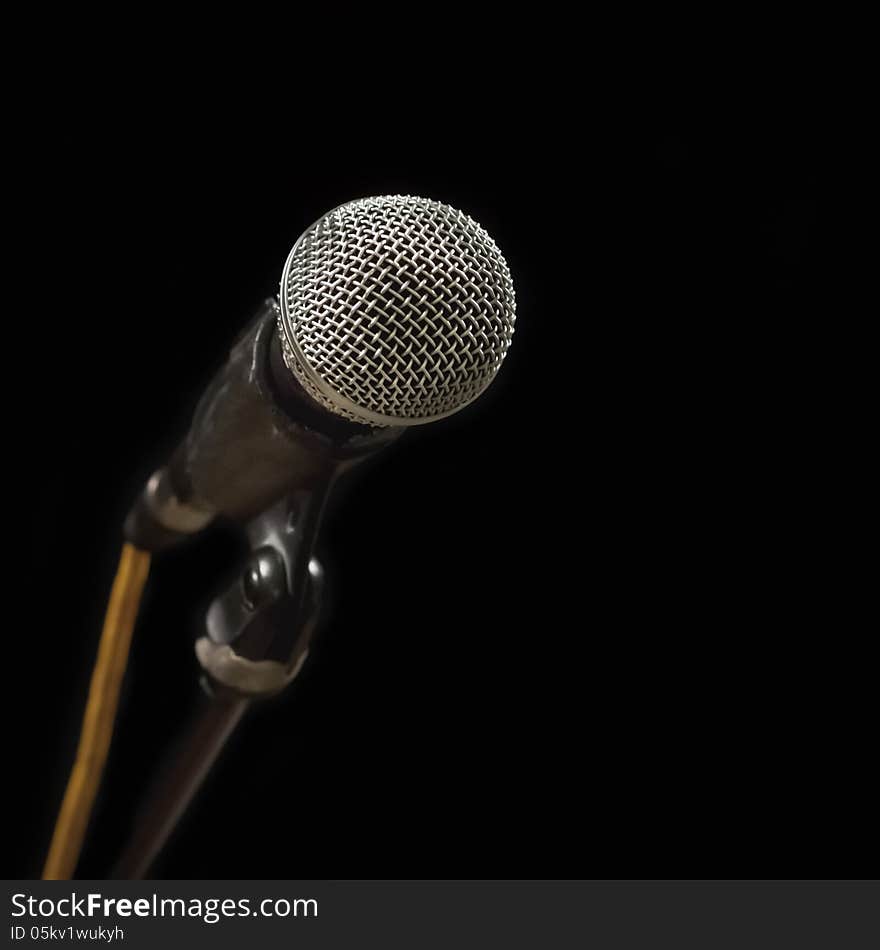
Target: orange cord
x=100, y=714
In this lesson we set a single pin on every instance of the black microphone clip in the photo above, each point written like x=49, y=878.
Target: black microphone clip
x=259, y=629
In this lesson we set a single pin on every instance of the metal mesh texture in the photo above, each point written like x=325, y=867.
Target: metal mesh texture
x=395, y=310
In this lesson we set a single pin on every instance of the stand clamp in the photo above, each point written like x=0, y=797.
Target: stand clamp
x=259, y=629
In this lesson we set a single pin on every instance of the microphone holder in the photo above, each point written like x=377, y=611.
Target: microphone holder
x=258, y=635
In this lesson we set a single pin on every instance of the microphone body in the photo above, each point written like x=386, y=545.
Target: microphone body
x=392, y=311
x=255, y=437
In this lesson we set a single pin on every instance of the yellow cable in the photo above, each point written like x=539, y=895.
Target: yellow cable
x=97, y=728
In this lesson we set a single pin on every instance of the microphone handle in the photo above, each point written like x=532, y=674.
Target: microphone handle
x=255, y=436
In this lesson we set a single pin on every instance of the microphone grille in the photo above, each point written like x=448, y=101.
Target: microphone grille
x=395, y=310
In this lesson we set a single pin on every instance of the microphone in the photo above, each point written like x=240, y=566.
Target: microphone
x=393, y=311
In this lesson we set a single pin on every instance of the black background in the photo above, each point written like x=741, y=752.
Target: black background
x=560, y=639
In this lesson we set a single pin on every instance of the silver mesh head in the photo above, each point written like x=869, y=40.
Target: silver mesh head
x=395, y=310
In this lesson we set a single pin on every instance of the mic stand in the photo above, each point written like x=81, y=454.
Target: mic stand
x=258, y=635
